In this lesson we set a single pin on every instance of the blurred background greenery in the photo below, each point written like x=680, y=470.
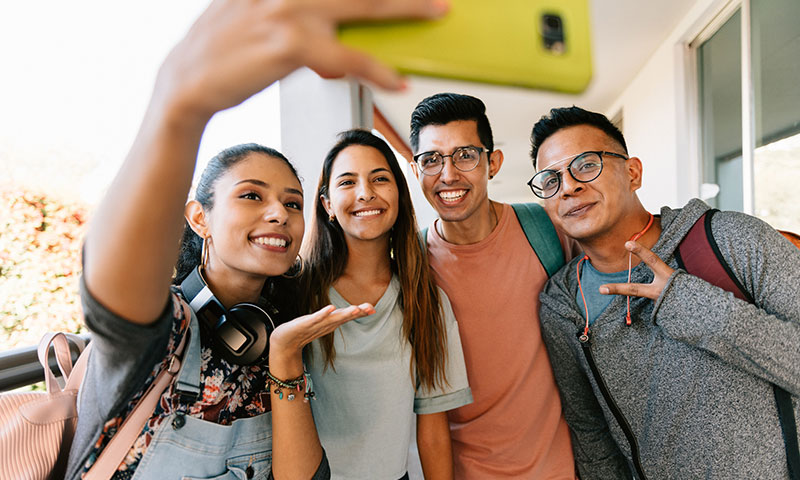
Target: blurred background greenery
x=40, y=242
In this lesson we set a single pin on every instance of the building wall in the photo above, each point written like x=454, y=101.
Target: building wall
x=659, y=117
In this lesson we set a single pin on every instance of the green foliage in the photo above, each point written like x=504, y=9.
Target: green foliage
x=40, y=242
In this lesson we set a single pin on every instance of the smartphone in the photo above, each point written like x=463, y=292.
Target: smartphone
x=540, y=44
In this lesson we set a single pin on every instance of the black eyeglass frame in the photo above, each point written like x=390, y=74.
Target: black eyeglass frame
x=441, y=167
x=599, y=154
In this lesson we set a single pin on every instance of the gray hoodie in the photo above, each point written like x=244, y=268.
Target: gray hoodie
x=692, y=376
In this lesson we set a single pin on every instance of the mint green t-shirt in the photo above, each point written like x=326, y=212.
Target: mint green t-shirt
x=364, y=410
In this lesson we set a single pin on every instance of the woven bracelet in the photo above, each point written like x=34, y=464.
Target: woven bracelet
x=297, y=384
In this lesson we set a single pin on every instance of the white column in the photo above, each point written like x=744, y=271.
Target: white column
x=748, y=117
x=313, y=112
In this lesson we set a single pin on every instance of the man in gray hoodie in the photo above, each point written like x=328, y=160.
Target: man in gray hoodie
x=676, y=380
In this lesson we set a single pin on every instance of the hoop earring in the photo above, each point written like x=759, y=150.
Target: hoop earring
x=204, y=253
x=297, y=268
x=391, y=243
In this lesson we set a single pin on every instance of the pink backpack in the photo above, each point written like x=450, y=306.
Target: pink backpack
x=36, y=428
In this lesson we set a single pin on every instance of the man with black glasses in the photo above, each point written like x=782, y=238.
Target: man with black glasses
x=683, y=378
x=481, y=258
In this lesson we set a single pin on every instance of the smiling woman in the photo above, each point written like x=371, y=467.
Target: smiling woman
x=71, y=61
x=362, y=194
x=239, y=209
x=364, y=247
x=224, y=414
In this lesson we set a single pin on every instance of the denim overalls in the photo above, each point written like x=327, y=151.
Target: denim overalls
x=189, y=448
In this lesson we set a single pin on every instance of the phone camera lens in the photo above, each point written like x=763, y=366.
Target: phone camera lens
x=552, y=34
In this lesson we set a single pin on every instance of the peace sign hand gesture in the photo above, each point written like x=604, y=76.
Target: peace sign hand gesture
x=661, y=271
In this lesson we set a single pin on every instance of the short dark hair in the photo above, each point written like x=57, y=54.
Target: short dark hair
x=564, y=117
x=443, y=108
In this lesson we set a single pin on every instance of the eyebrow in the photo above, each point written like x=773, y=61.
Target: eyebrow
x=266, y=185
x=351, y=174
x=453, y=150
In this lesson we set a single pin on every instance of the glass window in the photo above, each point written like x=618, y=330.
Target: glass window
x=775, y=34
x=719, y=71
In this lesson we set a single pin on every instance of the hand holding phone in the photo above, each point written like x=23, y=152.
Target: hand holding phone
x=542, y=44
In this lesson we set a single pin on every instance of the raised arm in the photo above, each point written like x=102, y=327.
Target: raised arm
x=234, y=50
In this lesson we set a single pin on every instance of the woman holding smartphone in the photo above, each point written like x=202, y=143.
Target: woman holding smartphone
x=373, y=374
x=248, y=215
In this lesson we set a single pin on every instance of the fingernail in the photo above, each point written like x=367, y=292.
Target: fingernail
x=402, y=84
x=440, y=7
x=604, y=290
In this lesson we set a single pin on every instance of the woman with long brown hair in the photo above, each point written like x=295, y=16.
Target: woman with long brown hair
x=373, y=374
x=217, y=419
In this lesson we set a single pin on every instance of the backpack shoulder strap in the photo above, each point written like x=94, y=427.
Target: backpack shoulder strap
x=541, y=235
x=699, y=255
x=120, y=444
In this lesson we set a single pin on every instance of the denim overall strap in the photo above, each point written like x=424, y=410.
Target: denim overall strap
x=187, y=385
x=185, y=447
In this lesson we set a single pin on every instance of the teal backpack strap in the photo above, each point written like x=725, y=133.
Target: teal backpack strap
x=541, y=235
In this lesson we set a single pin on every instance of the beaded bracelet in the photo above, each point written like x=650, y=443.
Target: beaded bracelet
x=301, y=384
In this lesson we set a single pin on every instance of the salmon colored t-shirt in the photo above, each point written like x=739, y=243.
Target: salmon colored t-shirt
x=515, y=427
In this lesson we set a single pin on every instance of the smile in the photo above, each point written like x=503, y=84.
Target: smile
x=579, y=210
x=451, y=196
x=276, y=242
x=368, y=213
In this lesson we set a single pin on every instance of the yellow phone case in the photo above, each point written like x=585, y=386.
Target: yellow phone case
x=541, y=44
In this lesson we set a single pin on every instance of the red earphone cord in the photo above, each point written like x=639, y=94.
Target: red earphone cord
x=637, y=236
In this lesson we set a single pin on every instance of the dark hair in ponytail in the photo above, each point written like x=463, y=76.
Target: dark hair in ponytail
x=191, y=243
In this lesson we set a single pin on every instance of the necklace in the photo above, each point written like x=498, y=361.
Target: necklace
x=584, y=337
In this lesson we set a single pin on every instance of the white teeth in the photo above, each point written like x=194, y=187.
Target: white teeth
x=452, y=195
x=367, y=213
x=270, y=241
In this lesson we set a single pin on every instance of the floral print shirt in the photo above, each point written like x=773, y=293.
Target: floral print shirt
x=228, y=392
